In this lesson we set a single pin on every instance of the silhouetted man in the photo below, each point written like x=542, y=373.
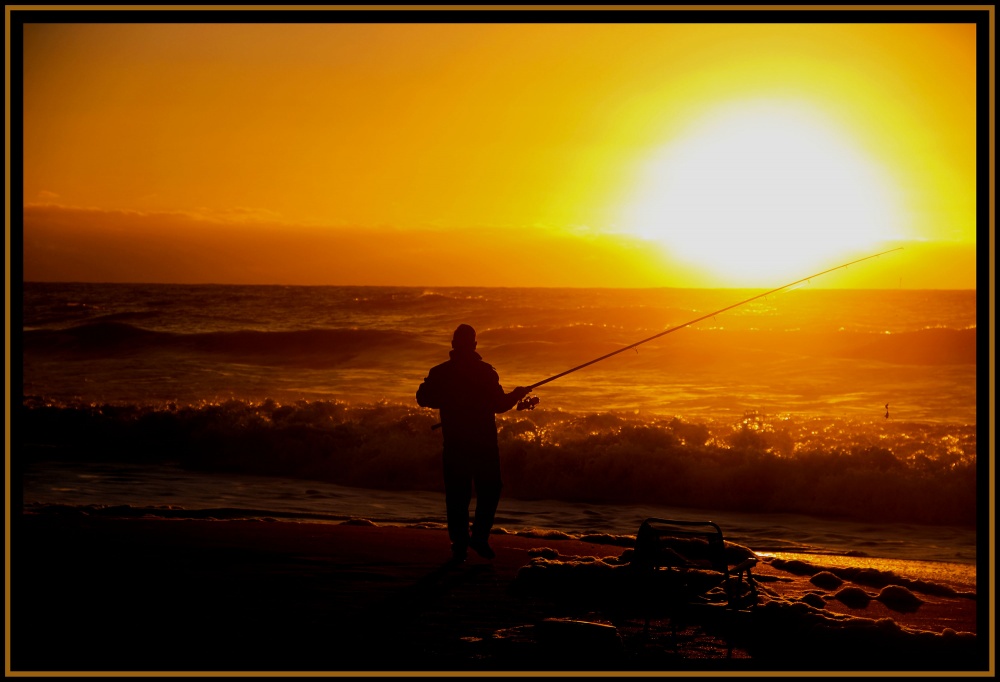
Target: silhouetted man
x=467, y=391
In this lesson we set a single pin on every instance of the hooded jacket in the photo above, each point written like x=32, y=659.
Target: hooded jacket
x=468, y=393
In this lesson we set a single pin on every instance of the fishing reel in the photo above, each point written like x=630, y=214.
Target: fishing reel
x=527, y=403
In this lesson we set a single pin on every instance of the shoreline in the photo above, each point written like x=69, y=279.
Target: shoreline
x=150, y=594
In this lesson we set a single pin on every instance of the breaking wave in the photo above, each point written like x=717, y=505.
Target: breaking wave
x=903, y=472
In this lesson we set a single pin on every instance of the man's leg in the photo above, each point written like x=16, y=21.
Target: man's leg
x=488, y=487
x=457, y=495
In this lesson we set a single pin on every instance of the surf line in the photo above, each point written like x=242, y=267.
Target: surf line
x=529, y=402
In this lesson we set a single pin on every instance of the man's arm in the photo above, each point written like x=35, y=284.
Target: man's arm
x=509, y=400
x=428, y=395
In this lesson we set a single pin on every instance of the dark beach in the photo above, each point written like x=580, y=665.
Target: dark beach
x=96, y=593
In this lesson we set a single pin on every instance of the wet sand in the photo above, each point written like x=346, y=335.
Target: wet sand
x=187, y=595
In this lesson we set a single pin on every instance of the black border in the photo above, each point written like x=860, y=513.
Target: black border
x=981, y=17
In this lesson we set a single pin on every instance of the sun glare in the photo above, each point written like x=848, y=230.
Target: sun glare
x=761, y=191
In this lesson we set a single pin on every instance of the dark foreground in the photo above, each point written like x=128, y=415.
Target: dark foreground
x=111, y=594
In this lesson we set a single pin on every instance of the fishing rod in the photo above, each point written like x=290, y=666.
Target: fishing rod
x=529, y=403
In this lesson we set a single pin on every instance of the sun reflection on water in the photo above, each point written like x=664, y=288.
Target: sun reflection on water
x=931, y=571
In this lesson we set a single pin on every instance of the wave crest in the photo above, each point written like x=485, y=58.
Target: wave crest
x=760, y=464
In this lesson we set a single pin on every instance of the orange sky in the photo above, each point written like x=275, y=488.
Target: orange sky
x=500, y=154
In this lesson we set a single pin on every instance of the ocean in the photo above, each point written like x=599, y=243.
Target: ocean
x=834, y=422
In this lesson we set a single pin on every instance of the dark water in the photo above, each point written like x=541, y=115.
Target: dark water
x=824, y=353
x=774, y=408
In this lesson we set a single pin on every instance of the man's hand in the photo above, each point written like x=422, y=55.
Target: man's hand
x=509, y=400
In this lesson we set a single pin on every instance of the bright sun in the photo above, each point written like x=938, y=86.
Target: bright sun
x=762, y=191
